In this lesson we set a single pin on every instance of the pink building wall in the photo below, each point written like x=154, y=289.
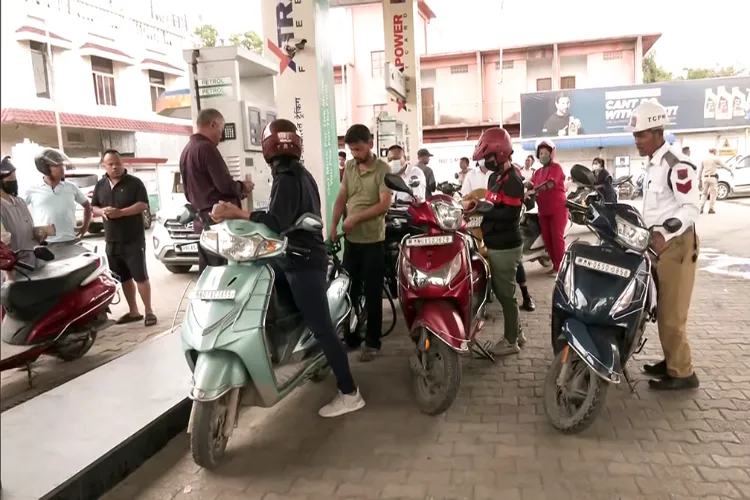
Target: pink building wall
x=465, y=87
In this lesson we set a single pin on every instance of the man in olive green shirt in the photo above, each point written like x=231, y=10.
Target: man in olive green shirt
x=366, y=198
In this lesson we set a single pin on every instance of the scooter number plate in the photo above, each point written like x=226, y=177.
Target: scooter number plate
x=474, y=222
x=428, y=241
x=603, y=267
x=213, y=294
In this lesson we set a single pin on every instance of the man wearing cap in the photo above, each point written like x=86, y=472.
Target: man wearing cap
x=709, y=179
x=670, y=191
x=424, y=160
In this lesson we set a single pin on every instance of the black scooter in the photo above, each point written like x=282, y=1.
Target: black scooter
x=604, y=296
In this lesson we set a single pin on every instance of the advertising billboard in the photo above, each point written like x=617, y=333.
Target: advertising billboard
x=713, y=103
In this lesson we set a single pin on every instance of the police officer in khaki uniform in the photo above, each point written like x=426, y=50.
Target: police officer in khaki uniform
x=671, y=191
x=709, y=178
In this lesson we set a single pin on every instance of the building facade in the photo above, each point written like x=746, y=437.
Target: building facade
x=464, y=93
x=101, y=66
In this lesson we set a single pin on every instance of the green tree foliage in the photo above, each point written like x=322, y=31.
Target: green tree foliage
x=653, y=73
x=249, y=39
x=208, y=36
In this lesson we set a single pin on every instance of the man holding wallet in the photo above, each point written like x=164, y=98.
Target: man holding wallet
x=206, y=176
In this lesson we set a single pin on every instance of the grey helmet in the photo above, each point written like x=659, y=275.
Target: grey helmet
x=49, y=157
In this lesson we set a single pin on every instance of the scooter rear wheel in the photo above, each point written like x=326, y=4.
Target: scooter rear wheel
x=574, y=407
x=437, y=388
x=207, y=440
x=75, y=350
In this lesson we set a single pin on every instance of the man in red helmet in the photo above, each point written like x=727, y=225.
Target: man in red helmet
x=294, y=193
x=501, y=231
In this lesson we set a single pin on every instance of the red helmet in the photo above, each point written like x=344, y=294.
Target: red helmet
x=280, y=138
x=546, y=143
x=495, y=141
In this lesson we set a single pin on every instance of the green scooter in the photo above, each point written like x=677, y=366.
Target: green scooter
x=244, y=338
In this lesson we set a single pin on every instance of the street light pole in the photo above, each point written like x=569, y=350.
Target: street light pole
x=52, y=87
x=500, y=65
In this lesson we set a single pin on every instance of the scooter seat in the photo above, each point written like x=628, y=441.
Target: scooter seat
x=22, y=297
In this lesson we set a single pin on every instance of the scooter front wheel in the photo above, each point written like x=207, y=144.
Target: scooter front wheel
x=207, y=438
x=437, y=379
x=573, y=394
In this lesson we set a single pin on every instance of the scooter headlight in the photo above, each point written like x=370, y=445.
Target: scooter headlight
x=448, y=214
x=568, y=281
x=634, y=237
x=442, y=277
x=240, y=248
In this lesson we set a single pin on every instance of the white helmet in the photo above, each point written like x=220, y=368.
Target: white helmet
x=648, y=115
x=548, y=144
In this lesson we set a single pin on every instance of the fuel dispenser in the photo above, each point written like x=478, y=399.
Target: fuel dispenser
x=388, y=132
x=239, y=84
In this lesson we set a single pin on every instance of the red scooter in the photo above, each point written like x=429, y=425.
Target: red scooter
x=56, y=310
x=443, y=288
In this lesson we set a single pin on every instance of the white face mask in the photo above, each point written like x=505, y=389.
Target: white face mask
x=396, y=166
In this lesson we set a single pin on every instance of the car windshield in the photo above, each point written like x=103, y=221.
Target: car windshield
x=82, y=180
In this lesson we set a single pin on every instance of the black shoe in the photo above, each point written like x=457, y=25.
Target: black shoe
x=657, y=370
x=711, y=211
x=528, y=304
x=668, y=383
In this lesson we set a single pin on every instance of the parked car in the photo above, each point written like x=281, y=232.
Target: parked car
x=735, y=179
x=175, y=244
x=86, y=180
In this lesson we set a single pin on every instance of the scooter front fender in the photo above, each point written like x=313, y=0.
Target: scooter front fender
x=217, y=372
x=441, y=318
x=602, y=356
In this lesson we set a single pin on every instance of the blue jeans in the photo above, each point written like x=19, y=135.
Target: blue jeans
x=308, y=288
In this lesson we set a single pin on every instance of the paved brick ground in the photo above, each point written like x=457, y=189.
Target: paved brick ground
x=494, y=443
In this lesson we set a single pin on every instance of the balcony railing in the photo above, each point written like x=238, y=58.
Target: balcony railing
x=158, y=30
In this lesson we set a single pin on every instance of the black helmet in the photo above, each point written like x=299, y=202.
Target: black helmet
x=6, y=168
x=49, y=157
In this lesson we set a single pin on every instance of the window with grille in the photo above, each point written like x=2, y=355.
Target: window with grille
x=612, y=55
x=158, y=85
x=543, y=84
x=506, y=65
x=461, y=68
x=104, y=81
x=568, y=82
x=39, y=67
x=377, y=63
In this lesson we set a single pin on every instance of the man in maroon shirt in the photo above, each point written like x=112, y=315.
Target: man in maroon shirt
x=206, y=177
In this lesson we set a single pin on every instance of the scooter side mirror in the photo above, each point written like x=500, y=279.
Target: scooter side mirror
x=43, y=253
x=672, y=225
x=396, y=183
x=188, y=214
x=308, y=222
x=483, y=206
x=582, y=175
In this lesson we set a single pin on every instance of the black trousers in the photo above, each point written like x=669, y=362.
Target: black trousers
x=520, y=274
x=308, y=289
x=365, y=263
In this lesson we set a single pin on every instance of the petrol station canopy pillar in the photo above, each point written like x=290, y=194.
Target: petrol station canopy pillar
x=402, y=72
x=297, y=38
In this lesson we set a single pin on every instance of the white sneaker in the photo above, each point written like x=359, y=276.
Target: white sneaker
x=342, y=404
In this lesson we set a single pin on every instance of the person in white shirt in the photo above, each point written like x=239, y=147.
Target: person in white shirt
x=527, y=172
x=463, y=165
x=670, y=191
x=476, y=178
x=409, y=173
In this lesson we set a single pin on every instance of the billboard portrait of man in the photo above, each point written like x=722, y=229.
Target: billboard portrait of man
x=562, y=123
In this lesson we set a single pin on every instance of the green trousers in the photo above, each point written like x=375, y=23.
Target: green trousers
x=503, y=264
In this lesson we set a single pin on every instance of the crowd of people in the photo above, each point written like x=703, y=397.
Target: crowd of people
x=360, y=207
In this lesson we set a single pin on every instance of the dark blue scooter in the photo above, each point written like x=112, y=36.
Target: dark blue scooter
x=604, y=296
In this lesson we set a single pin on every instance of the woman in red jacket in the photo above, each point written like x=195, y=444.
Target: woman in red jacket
x=548, y=183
